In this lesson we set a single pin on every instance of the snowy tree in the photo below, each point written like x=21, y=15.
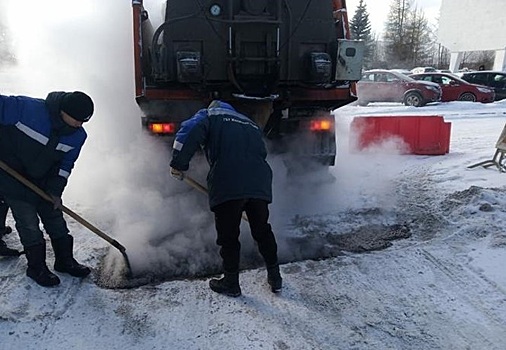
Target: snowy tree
x=396, y=36
x=421, y=40
x=409, y=39
x=360, y=29
x=443, y=57
x=477, y=59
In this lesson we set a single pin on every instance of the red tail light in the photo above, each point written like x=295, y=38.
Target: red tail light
x=162, y=128
x=321, y=125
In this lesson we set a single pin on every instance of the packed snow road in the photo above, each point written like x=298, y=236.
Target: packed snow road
x=398, y=252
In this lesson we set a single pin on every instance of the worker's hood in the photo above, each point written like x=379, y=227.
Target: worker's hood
x=53, y=104
x=220, y=104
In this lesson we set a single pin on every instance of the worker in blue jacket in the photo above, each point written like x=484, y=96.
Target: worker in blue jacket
x=239, y=179
x=41, y=139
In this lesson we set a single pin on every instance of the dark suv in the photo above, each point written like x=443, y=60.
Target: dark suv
x=494, y=79
x=379, y=85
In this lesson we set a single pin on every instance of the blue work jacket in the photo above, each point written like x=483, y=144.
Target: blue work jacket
x=234, y=148
x=36, y=143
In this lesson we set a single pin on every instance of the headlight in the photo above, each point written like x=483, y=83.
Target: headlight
x=484, y=90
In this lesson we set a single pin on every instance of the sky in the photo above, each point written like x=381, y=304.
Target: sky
x=378, y=11
x=441, y=287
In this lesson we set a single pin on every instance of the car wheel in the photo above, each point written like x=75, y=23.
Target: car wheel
x=413, y=99
x=467, y=96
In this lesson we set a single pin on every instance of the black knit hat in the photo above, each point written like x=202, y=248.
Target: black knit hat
x=78, y=105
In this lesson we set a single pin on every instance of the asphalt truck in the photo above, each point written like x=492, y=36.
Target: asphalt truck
x=298, y=53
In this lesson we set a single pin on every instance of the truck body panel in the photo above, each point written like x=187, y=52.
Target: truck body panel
x=296, y=53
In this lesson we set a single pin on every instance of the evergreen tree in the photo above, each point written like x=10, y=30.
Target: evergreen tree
x=360, y=26
x=360, y=29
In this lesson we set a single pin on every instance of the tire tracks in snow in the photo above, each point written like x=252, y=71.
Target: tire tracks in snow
x=470, y=288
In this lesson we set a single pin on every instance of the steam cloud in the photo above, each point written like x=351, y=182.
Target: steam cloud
x=121, y=180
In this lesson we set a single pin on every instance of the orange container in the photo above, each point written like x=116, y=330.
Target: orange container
x=427, y=135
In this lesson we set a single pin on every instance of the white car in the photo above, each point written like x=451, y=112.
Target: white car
x=419, y=70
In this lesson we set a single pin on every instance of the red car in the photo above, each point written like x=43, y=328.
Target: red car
x=456, y=89
x=380, y=85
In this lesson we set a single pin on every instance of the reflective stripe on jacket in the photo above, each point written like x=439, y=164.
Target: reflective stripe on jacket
x=30, y=145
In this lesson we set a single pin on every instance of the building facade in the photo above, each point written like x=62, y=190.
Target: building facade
x=473, y=25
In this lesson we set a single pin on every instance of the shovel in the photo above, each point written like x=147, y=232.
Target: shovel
x=70, y=213
x=204, y=190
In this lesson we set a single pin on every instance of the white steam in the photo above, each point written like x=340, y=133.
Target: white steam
x=121, y=180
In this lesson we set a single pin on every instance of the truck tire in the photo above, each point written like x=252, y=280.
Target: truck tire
x=413, y=99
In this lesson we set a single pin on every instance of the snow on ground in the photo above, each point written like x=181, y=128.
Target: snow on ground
x=444, y=287
x=433, y=276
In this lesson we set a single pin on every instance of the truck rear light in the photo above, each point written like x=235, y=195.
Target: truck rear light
x=321, y=125
x=162, y=128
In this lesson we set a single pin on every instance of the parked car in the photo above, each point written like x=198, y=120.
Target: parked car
x=418, y=70
x=401, y=70
x=380, y=85
x=456, y=89
x=494, y=79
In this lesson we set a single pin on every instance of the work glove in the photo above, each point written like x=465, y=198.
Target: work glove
x=57, y=202
x=177, y=174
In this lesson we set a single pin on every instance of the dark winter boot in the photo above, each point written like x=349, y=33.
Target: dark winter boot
x=5, y=251
x=5, y=230
x=64, y=258
x=274, y=278
x=228, y=285
x=37, y=268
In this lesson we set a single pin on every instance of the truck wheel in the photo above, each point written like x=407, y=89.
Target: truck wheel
x=467, y=96
x=413, y=99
